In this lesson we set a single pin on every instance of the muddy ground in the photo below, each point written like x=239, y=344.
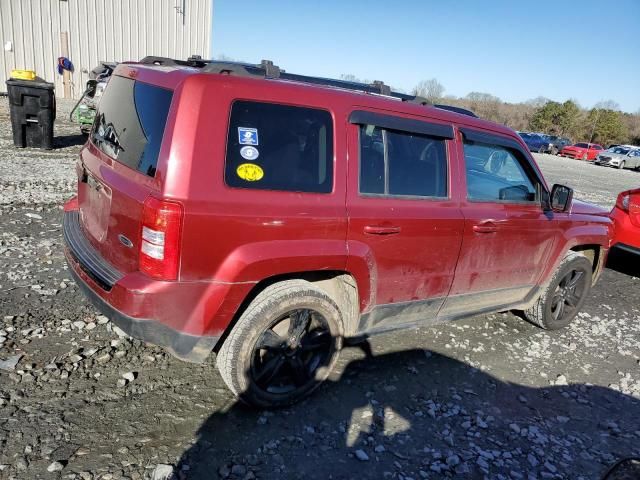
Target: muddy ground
x=488, y=397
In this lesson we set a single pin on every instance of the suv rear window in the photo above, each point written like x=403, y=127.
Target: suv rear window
x=130, y=123
x=279, y=147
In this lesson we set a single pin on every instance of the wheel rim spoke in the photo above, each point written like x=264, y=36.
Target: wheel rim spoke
x=298, y=371
x=572, y=299
x=314, y=342
x=270, y=370
x=299, y=322
x=270, y=340
x=576, y=277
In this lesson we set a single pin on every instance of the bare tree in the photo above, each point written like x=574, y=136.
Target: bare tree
x=607, y=105
x=430, y=89
x=537, y=102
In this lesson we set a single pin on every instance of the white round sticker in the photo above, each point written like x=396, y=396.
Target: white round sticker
x=249, y=153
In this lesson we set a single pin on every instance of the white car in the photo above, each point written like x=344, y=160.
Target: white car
x=620, y=156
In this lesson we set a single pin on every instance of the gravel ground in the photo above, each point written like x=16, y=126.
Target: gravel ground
x=489, y=397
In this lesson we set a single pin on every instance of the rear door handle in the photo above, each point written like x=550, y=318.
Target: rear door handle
x=381, y=230
x=485, y=227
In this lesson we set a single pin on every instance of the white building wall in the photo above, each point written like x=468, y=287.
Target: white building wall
x=111, y=30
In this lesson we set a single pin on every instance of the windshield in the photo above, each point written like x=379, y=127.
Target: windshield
x=620, y=150
x=581, y=145
x=130, y=123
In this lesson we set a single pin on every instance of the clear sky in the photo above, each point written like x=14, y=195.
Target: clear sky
x=588, y=50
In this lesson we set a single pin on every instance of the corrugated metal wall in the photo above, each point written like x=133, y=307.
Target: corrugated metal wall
x=111, y=30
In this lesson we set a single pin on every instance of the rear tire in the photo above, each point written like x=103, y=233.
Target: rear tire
x=564, y=296
x=284, y=345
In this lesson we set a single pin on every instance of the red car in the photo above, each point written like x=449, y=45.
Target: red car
x=581, y=151
x=267, y=216
x=626, y=219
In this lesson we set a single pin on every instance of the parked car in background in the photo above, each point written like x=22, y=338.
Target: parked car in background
x=536, y=142
x=621, y=156
x=556, y=143
x=626, y=221
x=581, y=151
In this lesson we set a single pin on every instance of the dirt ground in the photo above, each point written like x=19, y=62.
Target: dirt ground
x=488, y=397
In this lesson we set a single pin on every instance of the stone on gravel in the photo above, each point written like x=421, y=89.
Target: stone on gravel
x=162, y=472
x=55, y=467
x=361, y=455
x=10, y=363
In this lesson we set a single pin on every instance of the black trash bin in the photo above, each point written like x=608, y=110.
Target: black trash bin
x=32, y=104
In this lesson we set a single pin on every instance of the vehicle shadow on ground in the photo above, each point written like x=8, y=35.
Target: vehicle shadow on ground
x=624, y=262
x=416, y=411
x=65, y=141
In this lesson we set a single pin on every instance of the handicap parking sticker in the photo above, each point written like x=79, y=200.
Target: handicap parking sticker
x=248, y=136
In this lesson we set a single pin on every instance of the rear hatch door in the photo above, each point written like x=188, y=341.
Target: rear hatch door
x=117, y=167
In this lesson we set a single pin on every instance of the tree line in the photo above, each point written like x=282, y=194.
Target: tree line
x=604, y=123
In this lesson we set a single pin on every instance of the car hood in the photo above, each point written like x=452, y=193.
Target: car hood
x=586, y=208
x=612, y=155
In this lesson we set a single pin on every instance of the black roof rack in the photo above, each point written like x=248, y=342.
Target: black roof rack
x=267, y=69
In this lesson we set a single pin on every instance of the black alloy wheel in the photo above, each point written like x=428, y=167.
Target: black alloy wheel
x=568, y=294
x=290, y=351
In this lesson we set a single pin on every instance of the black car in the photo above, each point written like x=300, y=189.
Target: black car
x=557, y=143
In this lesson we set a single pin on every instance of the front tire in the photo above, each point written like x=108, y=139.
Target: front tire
x=621, y=165
x=564, y=296
x=284, y=345
x=585, y=157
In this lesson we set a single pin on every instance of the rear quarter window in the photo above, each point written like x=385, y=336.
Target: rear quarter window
x=279, y=147
x=130, y=123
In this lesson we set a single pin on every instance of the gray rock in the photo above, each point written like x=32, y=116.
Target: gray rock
x=55, y=467
x=361, y=455
x=162, y=472
x=10, y=363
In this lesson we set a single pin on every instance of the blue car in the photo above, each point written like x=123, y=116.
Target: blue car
x=537, y=142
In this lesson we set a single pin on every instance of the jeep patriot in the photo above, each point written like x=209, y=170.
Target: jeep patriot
x=270, y=217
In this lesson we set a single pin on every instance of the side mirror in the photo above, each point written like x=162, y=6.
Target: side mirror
x=561, y=198
x=516, y=193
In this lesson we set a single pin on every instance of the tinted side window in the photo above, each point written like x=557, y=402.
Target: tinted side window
x=494, y=174
x=402, y=163
x=130, y=123
x=279, y=147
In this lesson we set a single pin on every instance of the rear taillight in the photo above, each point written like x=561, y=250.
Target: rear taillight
x=634, y=209
x=623, y=201
x=160, y=239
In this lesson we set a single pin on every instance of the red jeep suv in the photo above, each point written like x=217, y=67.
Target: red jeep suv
x=268, y=216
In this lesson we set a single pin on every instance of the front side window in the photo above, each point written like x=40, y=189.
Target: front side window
x=402, y=163
x=279, y=147
x=130, y=123
x=494, y=174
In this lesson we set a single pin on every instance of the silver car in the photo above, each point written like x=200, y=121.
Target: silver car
x=620, y=156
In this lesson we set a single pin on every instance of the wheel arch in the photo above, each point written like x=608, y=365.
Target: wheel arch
x=340, y=285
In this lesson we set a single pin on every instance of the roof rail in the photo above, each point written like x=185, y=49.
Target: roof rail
x=452, y=108
x=267, y=69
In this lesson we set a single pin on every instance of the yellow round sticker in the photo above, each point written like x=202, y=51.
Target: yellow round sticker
x=250, y=172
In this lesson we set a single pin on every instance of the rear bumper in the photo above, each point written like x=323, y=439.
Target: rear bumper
x=626, y=235
x=186, y=347
x=186, y=318
x=628, y=249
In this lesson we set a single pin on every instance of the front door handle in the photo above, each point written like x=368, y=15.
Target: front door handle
x=485, y=227
x=381, y=230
